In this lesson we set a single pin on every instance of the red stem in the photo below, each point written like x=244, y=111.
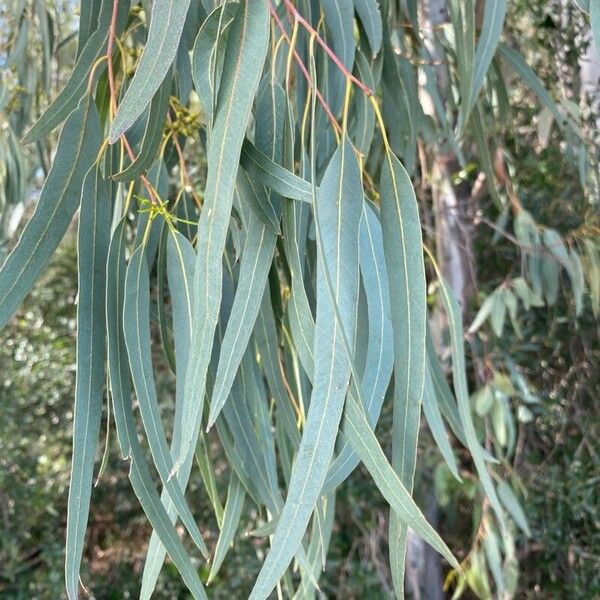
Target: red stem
x=113, y=94
x=109, y=49
x=339, y=64
x=304, y=70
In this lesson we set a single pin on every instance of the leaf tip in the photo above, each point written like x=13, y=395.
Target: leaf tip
x=117, y=129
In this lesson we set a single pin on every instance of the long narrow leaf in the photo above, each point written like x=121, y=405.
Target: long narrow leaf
x=406, y=272
x=166, y=26
x=152, y=133
x=462, y=395
x=77, y=148
x=259, y=246
x=120, y=386
x=338, y=208
x=136, y=327
x=180, y=267
x=370, y=17
x=275, y=176
x=365, y=444
x=231, y=520
x=207, y=58
x=379, y=346
x=92, y=244
x=254, y=268
x=432, y=413
x=76, y=87
x=493, y=22
x=246, y=50
x=518, y=64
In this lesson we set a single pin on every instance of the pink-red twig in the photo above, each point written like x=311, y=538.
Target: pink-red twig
x=304, y=70
x=332, y=55
x=109, y=49
x=113, y=93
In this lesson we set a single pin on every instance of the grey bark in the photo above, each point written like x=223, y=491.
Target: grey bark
x=453, y=208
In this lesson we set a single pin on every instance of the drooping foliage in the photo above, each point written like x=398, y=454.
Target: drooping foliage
x=244, y=174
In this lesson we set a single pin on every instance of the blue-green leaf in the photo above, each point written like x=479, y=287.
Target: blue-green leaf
x=433, y=416
x=459, y=377
x=166, y=26
x=338, y=210
x=406, y=272
x=118, y=368
x=265, y=335
x=370, y=17
x=513, y=506
x=259, y=245
x=231, y=519
x=180, y=267
x=358, y=431
x=493, y=22
x=88, y=22
x=339, y=17
x=379, y=346
x=207, y=472
x=445, y=399
x=246, y=50
x=152, y=133
x=302, y=325
x=136, y=327
x=462, y=15
x=274, y=176
x=75, y=89
x=92, y=244
x=362, y=125
x=120, y=387
x=77, y=148
x=518, y=64
x=254, y=268
x=258, y=202
x=144, y=489
x=207, y=57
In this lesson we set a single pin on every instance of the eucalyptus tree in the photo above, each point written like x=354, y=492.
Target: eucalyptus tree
x=244, y=177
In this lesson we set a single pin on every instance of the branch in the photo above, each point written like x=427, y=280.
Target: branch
x=304, y=70
x=338, y=63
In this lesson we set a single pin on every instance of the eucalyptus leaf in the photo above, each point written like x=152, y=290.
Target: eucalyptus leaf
x=93, y=242
x=338, y=205
x=136, y=328
x=406, y=272
x=77, y=148
x=246, y=50
x=166, y=26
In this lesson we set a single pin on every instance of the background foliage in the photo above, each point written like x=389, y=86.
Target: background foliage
x=531, y=353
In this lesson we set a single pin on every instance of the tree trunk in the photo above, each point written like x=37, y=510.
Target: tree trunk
x=453, y=208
